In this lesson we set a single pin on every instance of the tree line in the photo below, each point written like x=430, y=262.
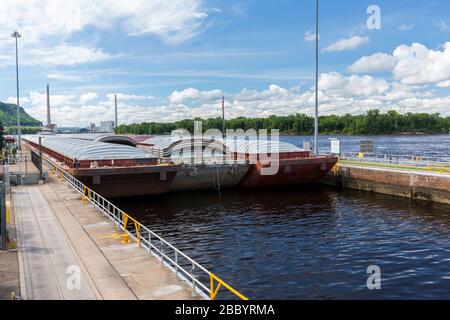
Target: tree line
x=371, y=123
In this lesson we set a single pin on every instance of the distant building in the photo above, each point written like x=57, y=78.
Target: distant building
x=106, y=127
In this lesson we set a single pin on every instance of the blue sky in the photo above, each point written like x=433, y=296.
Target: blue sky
x=170, y=60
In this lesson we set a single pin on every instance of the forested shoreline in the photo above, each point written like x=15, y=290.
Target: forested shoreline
x=371, y=123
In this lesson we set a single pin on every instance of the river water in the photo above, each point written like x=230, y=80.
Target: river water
x=426, y=145
x=313, y=242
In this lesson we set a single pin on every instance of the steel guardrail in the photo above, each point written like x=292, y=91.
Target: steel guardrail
x=423, y=163
x=156, y=246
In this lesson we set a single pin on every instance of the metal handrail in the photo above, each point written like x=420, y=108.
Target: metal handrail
x=421, y=162
x=149, y=240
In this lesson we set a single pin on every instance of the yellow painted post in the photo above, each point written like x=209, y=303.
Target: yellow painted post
x=8, y=212
x=219, y=285
x=83, y=199
x=137, y=226
x=125, y=240
x=211, y=287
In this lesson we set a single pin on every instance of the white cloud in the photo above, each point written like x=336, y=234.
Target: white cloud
x=347, y=44
x=63, y=54
x=194, y=94
x=309, y=36
x=48, y=26
x=444, y=84
x=339, y=94
x=354, y=85
x=420, y=65
x=37, y=20
x=88, y=97
x=128, y=97
x=412, y=65
x=378, y=62
x=13, y=100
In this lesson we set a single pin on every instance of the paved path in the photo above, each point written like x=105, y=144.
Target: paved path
x=56, y=231
x=46, y=254
x=9, y=275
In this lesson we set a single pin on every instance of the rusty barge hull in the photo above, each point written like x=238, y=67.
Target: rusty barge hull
x=196, y=178
x=291, y=172
x=127, y=182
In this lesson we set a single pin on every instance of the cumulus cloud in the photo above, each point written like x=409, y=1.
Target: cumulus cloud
x=347, y=44
x=420, y=65
x=413, y=65
x=339, y=94
x=194, y=94
x=378, y=62
x=88, y=97
x=353, y=85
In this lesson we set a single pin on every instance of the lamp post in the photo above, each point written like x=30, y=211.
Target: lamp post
x=17, y=35
x=316, y=115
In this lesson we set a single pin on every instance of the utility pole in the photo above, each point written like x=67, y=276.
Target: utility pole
x=41, y=173
x=115, y=106
x=3, y=230
x=223, y=117
x=49, y=120
x=17, y=35
x=316, y=115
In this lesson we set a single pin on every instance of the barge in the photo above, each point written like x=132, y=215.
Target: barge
x=111, y=169
x=122, y=166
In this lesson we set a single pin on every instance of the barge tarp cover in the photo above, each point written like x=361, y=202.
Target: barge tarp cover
x=88, y=150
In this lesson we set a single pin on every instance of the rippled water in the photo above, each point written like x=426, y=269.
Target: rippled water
x=309, y=243
x=427, y=145
x=312, y=242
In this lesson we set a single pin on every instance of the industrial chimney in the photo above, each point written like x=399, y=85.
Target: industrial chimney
x=49, y=122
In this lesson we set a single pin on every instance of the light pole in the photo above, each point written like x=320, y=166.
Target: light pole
x=316, y=115
x=17, y=35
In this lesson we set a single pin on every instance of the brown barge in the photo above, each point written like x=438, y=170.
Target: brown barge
x=116, y=166
x=113, y=170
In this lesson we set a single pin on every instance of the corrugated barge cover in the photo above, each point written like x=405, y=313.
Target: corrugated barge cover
x=165, y=146
x=89, y=150
x=238, y=145
x=259, y=146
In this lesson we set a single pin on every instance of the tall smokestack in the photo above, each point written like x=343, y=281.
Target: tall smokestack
x=49, y=121
x=116, y=124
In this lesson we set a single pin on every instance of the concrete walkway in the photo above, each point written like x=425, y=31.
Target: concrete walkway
x=46, y=254
x=9, y=275
x=56, y=232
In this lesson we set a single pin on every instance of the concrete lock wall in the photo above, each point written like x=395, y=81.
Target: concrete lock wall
x=413, y=185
